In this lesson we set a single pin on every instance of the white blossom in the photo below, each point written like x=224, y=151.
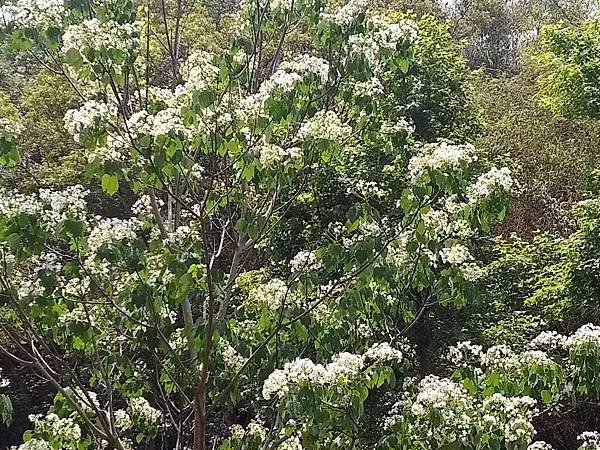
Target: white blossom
x=305, y=63
x=590, y=440
x=324, y=125
x=11, y=126
x=38, y=13
x=91, y=115
x=587, y=336
x=62, y=429
x=441, y=156
x=347, y=14
x=464, y=353
x=122, y=420
x=457, y=254
x=93, y=34
x=489, y=183
x=548, y=340
x=142, y=413
x=33, y=444
x=539, y=445
x=304, y=261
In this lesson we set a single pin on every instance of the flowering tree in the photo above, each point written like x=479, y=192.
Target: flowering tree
x=147, y=323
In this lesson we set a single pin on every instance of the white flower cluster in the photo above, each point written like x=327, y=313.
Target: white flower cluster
x=489, y=183
x=307, y=64
x=370, y=88
x=464, y=354
x=347, y=14
x=122, y=420
x=231, y=357
x=142, y=414
x=444, y=413
x=304, y=261
x=89, y=117
x=384, y=36
x=291, y=443
x=271, y=154
x=441, y=156
x=162, y=123
x=50, y=207
x=515, y=412
x=109, y=230
x=33, y=444
x=142, y=206
x=455, y=255
x=343, y=367
x=548, y=340
x=62, y=429
x=198, y=71
x=324, y=125
x=11, y=127
x=272, y=293
x=446, y=399
x=389, y=35
x=590, y=440
x=459, y=255
x=280, y=82
x=383, y=352
x=254, y=430
x=77, y=315
x=88, y=403
x=93, y=34
x=116, y=149
x=540, y=445
x=4, y=382
x=304, y=371
x=586, y=337
x=37, y=13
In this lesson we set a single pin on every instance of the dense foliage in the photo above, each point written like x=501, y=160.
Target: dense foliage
x=266, y=226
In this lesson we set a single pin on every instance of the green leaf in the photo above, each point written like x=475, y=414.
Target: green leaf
x=301, y=331
x=546, y=396
x=404, y=65
x=110, y=183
